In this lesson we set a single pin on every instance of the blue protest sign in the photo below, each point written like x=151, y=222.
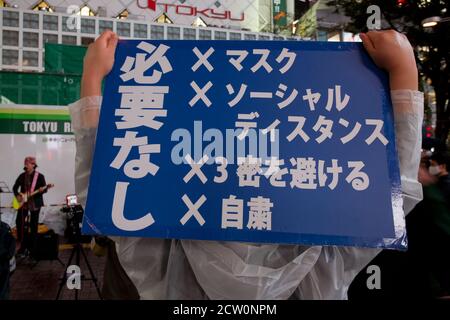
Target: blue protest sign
x=268, y=141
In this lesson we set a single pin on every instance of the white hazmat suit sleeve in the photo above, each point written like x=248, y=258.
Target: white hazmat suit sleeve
x=337, y=267
x=173, y=269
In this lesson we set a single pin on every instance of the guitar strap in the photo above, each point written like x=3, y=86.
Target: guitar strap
x=33, y=184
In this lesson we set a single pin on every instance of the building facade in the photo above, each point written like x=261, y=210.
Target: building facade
x=251, y=15
x=27, y=25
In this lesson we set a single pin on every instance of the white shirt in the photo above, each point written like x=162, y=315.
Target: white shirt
x=187, y=269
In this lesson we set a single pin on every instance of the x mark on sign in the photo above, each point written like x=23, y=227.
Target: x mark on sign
x=203, y=59
x=200, y=94
x=193, y=210
x=195, y=169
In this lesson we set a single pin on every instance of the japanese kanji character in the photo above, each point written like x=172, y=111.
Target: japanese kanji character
x=118, y=208
x=360, y=180
x=285, y=54
x=141, y=64
x=203, y=59
x=248, y=170
x=137, y=168
x=280, y=93
x=246, y=125
x=262, y=61
x=232, y=213
x=275, y=172
x=140, y=106
x=313, y=99
x=304, y=173
x=239, y=95
x=201, y=94
x=334, y=170
x=340, y=104
x=193, y=210
x=260, y=215
x=324, y=126
x=242, y=54
x=376, y=134
x=352, y=134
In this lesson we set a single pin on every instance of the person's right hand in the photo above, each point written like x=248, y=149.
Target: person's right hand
x=98, y=62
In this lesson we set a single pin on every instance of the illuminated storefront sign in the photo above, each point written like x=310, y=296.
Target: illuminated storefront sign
x=186, y=10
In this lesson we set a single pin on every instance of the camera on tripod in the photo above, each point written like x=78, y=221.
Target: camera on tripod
x=74, y=217
x=74, y=214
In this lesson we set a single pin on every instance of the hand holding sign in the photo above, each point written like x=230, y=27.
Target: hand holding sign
x=324, y=187
x=337, y=68
x=392, y=52
x=98, y=62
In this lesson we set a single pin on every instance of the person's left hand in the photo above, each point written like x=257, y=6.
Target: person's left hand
x=41, y=189
x=392, y=51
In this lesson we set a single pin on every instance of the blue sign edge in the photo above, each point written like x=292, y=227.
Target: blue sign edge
x=397, y=243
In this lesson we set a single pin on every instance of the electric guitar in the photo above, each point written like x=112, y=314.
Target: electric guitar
x=24, y=197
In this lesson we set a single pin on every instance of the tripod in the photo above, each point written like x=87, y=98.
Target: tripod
x=78, y=252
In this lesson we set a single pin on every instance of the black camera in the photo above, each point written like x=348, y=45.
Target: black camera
x=74, y=215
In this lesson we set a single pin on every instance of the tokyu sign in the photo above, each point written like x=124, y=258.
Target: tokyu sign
x=186, y=10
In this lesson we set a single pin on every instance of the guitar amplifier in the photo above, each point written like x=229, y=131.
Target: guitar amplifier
x=45, y=246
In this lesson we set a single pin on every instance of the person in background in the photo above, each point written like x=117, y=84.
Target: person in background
x=440, y=190
x=423, y=271
x=440, y=167
x=185, y=269
x=7, y=250
x=26, y=183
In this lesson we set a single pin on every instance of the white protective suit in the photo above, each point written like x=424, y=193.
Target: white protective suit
x=187, y=269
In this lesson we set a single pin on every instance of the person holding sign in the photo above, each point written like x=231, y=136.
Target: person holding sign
x=187, y=269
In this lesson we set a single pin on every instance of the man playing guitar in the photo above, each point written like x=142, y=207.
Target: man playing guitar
x=28, y=182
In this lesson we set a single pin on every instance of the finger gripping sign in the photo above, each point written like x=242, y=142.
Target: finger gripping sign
x=266, y=142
